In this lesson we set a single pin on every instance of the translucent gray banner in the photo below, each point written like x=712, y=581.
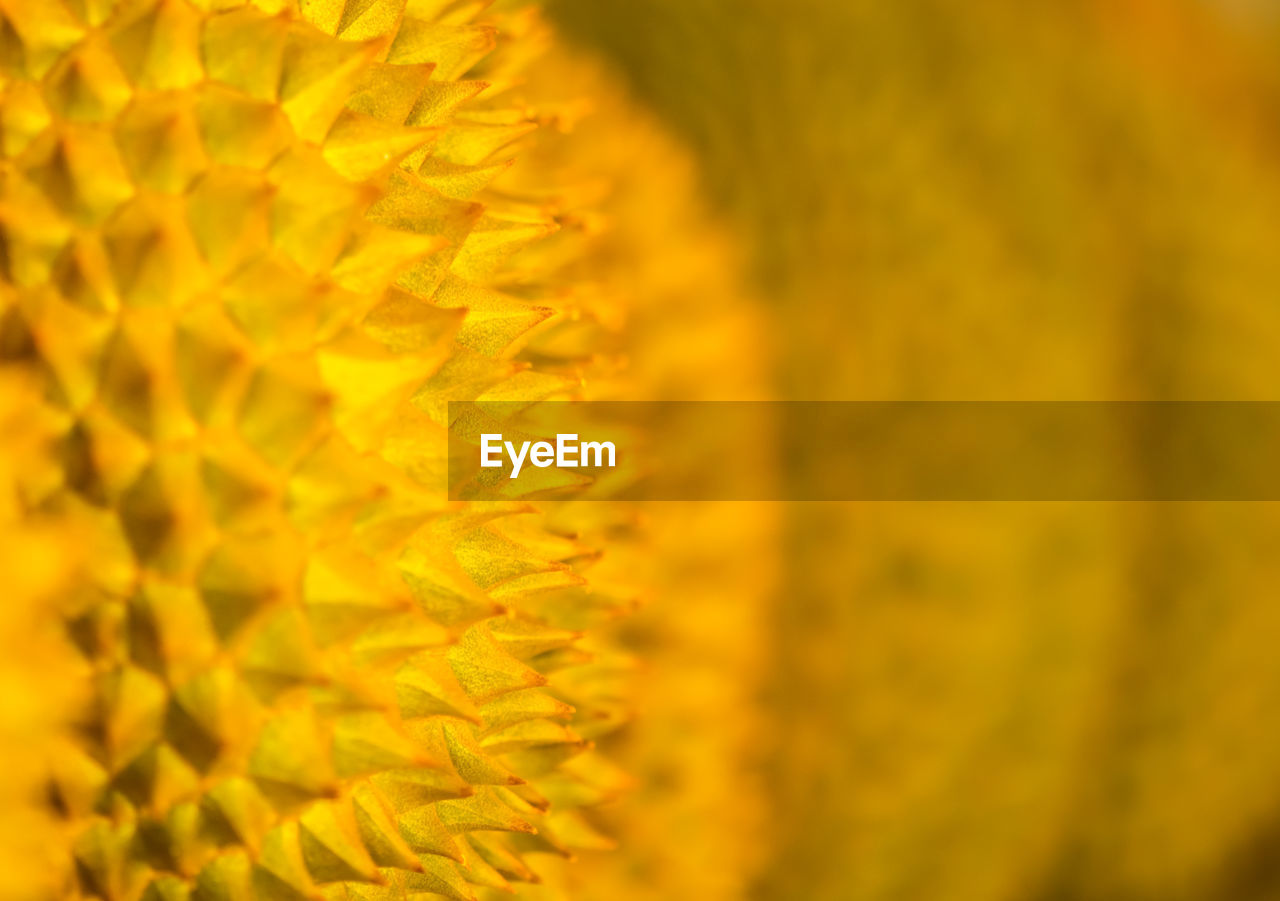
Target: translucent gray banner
x=865, y=451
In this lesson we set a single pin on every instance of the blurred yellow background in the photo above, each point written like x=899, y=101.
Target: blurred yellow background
x=990, y=201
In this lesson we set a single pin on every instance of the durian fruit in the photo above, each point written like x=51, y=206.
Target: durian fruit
x=693, y=823
x=250, y=252
x=37, y=558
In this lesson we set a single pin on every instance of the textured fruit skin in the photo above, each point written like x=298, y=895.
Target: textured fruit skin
x=37, y=558
x=250, y=253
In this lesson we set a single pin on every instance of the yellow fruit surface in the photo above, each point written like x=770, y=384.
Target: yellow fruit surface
x=251, y=252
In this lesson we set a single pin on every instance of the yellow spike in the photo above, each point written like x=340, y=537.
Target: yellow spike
x=482, y=811
x=478, y=872
x=389, y=92
x=494, y=320
x=280, y=870
x=160, y=143
x=439, y=877
x=228, y=212
x=367, y=742
x=365, y=19
x=292, y=761
x=405, y=324
x=441, y=587
x=82, y=274
x=379, y=833
x=36, y=36
x=576, y=833
x=155, y=259
x=494, y=850
x=244, y=49
x=439, y=100
x=359, y=147
x=407, y=790
x=79, y=170
x=453, y=49
x=280, y=655
x=317, y=77
x=528, y=734
x=522, y=706
x=282, y=415
x=158, y=45
x=471, y=143
x=425, y=833
x=212, y=364
x=495, y=239
x=227, y=878
x=239, y=130
x=331, y=846
x=241, y=807
x=461, y=182
x=427, y=687
x=470, y=761
x=23, y=115
x=374, y=257
x=314, y=209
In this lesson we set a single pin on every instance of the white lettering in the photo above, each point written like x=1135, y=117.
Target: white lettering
x=490, y=444
x=542, y=455
x=567, y=453
x=517, y=461
x=563, y=449
x=599, y=447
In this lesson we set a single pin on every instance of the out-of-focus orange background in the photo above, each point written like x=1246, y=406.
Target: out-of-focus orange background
x=1002, y=200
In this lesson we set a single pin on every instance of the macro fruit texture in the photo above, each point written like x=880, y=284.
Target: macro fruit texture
x=250, y=252
x=693, y=823
x=37, y=558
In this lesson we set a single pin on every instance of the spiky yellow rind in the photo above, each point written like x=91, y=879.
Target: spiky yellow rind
x=251, y=253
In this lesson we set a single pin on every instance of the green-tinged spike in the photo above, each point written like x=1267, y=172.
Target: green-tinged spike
x=228, y=877
x=472, y=763
x=331, y=847
x=520, y=707
x=292, y=760
x=453, y=50
x=167, y=888
x=379, y=832
x=158, y=46
x=478, y=872
x=407, y=790
x=281, y=865
x=239, y=807
x=483, y=811
x=494, y=321
x=360, y=146
x=439, y=876
x=88, y=85
x=526, y=639
x=485, y=670
x=424, y=832
x=244, y=49
x=530, y=734
x=494, y=849
x=495, y=239
x=368, y=742
x=426, y=686
x=441, y=588
x=540, y=759
x=390, y=92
